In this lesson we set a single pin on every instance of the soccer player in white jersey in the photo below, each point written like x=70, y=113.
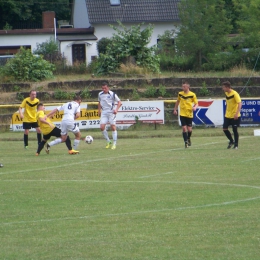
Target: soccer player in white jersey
x=71, y=112
x=108, y=105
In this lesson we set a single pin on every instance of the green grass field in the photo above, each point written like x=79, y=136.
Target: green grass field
x=148, y=199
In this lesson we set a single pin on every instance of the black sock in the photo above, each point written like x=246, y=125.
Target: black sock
x=39, y=138
x=40, y=146
x=185, y=136
x=25, y=139
x=68, y=143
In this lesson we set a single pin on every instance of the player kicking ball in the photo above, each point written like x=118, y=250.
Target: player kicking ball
x=49, y=129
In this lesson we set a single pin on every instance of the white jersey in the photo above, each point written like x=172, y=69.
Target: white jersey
x=70, y=109
x=107, y=101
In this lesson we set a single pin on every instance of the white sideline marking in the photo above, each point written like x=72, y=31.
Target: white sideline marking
x=253, y=159
x=101, y=159
x=146, y=176
x=138, y=212
x=114, y=158
x=130, y=213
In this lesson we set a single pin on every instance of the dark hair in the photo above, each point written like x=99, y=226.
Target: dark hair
x=185, y=82
x=39, y=105
x=77, y=98
x=105, y=83
x=226, y=84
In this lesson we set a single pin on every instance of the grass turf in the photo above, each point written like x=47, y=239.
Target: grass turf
x=148, y=199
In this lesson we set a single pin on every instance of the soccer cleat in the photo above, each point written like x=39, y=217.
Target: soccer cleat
x=37, y=154
x=230, y=145
x=235, y=146
x=189, y=142
x=113, y=147
x=186, y=145
x=26, y=147
x=108, y=144
x=73, y=152
x=47, y=148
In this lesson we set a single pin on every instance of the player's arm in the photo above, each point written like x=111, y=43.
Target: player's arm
x=21, y=112
x=239, y=105
x=77, y=115
x=195, y=107
x=175, y=107
x=43, y=120
x=53, y=112
x=119, y=104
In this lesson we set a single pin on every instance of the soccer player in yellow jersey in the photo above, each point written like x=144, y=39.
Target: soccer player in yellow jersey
x=49, y=129
x=232, y=114
x=27, y=111
x=188, y=103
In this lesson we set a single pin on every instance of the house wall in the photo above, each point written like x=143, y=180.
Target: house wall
x=21, y=40
x=103, y=30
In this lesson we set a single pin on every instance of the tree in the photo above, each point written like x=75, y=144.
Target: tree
x=203, y=30
x=49, y=50
x=129, y=43
x=249, y=22
x=13, y=11
x=27, y=67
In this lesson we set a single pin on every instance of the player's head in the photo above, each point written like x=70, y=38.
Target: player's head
x=105, y=87
x=32, y=94
x=226, y=86
x=40, y=106
x=78, y=99
x=185, y=86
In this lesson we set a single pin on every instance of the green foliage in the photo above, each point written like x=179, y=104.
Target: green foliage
x=26, y=67
x=127, y=43
x=61, y=95
x=7, y=26
x=13, y=11
x=204, y=90
x=203, y=29
x=162, y=90
x=150, y=91
x=102, y=45
x=135, y=95
x=49, y=50
x=85, y=93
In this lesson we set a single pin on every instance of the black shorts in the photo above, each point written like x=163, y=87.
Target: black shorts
x=55, y=132
x=231, y=121
x=27, y=125
x=186, y=121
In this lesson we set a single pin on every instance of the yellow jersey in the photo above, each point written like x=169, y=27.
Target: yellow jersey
x=232, y=100
x=45, y=128
x=30, y=109
x=186, y=103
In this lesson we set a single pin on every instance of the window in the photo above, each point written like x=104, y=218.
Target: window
x=114, y=2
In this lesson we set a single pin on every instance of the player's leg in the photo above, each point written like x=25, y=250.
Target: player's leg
x=42, y=143
x=227, y=122
x=57, y=133
x=235, y=125
x=184, y=130
x=189, y=135
x=112, y=121
x=26, y=127
x=103, y=122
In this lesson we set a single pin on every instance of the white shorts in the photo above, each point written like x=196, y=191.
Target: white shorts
x=68, y=126
x=108, y=118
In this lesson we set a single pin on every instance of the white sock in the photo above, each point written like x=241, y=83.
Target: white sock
x=114, y=134
x=105, y=134
x=54, y=142
x=75, y=144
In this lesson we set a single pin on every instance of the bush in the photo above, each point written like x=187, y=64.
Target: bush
x=27, y=67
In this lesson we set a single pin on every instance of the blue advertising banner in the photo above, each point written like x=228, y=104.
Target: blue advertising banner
x=250, y=111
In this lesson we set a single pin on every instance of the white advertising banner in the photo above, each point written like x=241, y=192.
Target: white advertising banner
x=128, y=114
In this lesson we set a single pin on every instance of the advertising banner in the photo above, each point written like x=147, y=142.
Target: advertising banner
x=128, y=114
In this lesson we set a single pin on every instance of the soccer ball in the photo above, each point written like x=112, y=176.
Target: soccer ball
x=89, y=139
